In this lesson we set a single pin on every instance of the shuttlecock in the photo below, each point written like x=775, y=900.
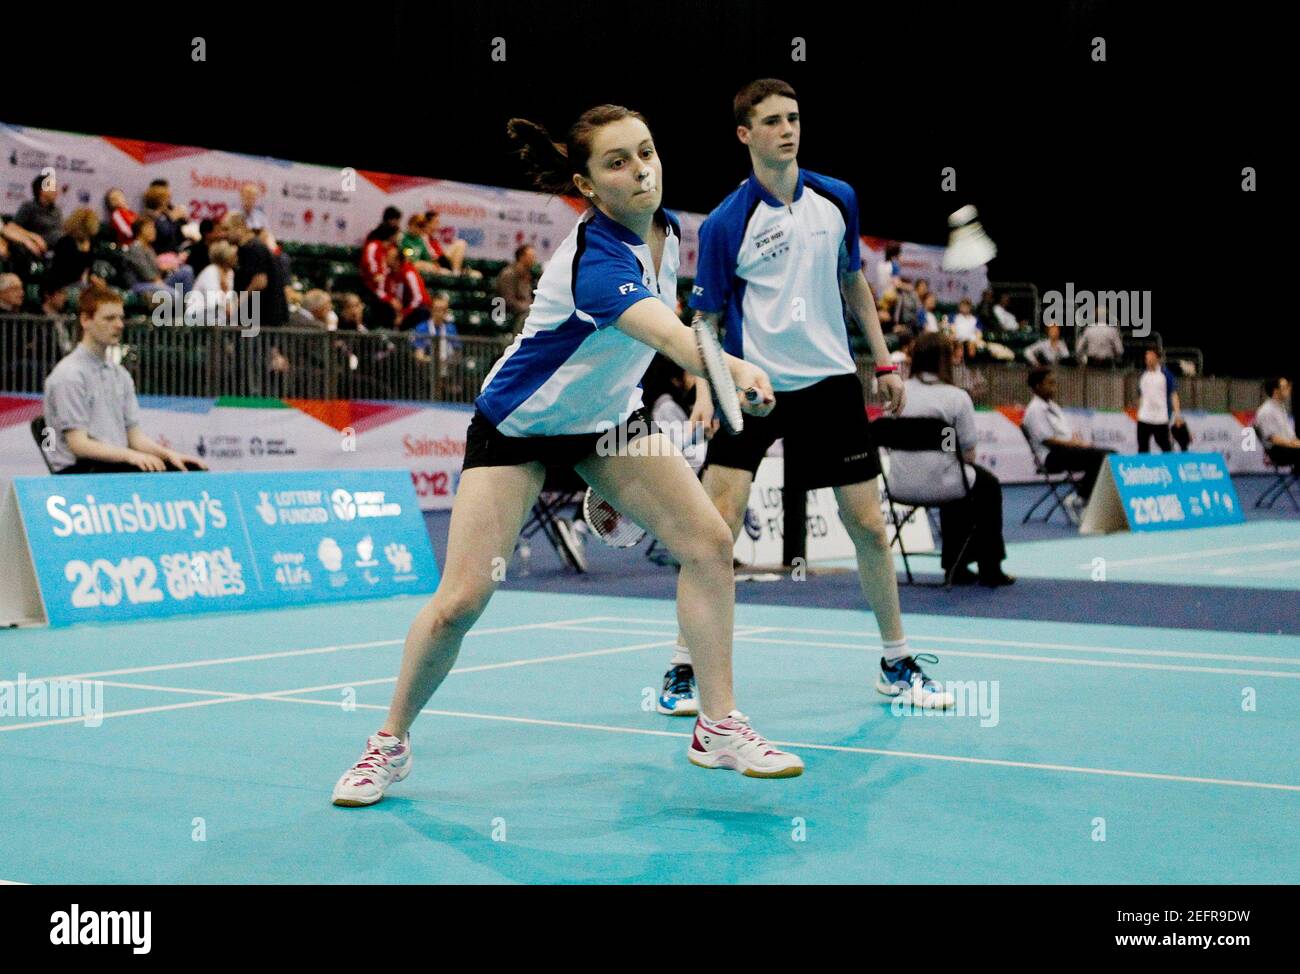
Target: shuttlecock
x=968, y=245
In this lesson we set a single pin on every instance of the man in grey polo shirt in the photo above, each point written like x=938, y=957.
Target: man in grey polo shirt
x=90, y=403
x=1275, y=428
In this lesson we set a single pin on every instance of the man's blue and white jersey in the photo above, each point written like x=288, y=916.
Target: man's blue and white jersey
x=773, y=272
x=569, y=370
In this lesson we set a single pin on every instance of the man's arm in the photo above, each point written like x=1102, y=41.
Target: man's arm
x=85, y=448
x=141, y=443
x=861, y=304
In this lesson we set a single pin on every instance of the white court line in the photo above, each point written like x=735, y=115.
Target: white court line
x=1023, y=644
x=187, y=664
x=802, y=745
x=1262, y=569
x=225, y=696
x=1184, y=555
x=12, y=882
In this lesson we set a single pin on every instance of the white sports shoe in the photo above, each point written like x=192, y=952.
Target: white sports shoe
x=387, y=760
x=906, y=680
x=732, y=744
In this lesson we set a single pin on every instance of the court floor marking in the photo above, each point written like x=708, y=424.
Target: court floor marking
x=227, y=696
x=282, y=654
x=1200, y=553
x=1018, y=643
x=802, y=745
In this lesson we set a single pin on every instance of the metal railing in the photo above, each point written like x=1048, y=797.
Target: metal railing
x=309, y=363
x=294, y=363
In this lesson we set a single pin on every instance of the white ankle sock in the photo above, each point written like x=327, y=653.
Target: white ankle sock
x=681, y=656
x=894, y=649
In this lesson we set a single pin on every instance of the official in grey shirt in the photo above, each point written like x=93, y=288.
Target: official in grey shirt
x=930, y=394
x=91, y=407
x=1275, y=428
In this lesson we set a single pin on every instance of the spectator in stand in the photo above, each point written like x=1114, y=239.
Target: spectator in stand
x=415, y=247
x=257, y=271
x=12, y=294
x=1003, y=316
x=199, y=254
x=1050, y=350
x=966, y=329
x=41, y=215
x=1276, y=430
x=1099, y=344
x=406, y=284
x=254, y=215
x=71, y=268
x=441, y=326
x=141, y=269
x=376, y=264
x=1055, y=445
x=392, y=219
x=167, y=219
x=930, y=394
x=669, y=391
x=283, y=267
x=16, y=241
x=214, y=287
x=928, y=317
x=907, y=307
x=315, y=311
x=1158, y=405
x=515, y=286
x=902, y=357
x=120, y=216
x=887, y=270
x=351, y=313
x=451, y=257
x=90, y=402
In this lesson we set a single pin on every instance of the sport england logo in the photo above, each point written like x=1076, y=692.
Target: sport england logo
x=345, y=508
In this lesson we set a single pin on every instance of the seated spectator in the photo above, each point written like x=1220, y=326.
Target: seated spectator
x=376, y=265
x=907, y=307
x=451, y=257
x=669, y=391
x=1158, y=405
x=120, y=216
x=515, y=286
x=143, y=275
x=438, y=325
x=200, y=253
x=1275, y=428
x=413, y=244
x=392, y=219
x=1003, y=316
x=12, y=294
x=902, y=357
x=1055, y=445
x=1099, y=344
x=984, y=312
x=90, y=402
x=73, y=257
x=930, y=394
x=254, y=215
x=966, y=329
x=928, y=318
x=315, y=311
x=257, y=271
x=214, y=288
x=40, y=215
x=888, y=270
x=405, y=283
x=351, y=313
x=167, y=218
x=1050, y=350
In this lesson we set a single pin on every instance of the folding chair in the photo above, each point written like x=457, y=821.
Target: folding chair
x=561, y=493
x=917, y=435
x=1286, y=477
x=38, y=434
x=1059, y=485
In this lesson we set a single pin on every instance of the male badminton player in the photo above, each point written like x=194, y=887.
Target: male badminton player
x=776, y=259
x=603, y=307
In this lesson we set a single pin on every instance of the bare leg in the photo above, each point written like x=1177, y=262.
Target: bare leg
x=865, y=523
x=652, y=484
x=456, y=254
x=728, y=489
x=490, y=508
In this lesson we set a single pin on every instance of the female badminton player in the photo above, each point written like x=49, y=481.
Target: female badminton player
x=603, y=307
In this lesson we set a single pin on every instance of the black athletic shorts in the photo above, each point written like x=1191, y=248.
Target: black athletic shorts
x=486, y=446
x=827, y=436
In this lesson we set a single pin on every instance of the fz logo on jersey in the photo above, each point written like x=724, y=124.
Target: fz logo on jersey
x=626, y=288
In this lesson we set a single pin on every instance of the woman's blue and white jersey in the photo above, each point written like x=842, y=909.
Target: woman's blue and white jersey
x=570, y=371
x=773, y=272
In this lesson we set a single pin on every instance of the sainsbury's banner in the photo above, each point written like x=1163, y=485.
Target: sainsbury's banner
x=428, y=439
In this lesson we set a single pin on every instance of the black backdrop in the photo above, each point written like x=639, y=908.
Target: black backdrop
x=1119, y=175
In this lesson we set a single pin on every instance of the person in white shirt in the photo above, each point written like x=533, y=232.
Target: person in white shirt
x=1002, y=314
x=1158, y=405
x=1275, y=428
x=966, y=328
x=1056, y=447
x=931, y=394
x=213, y=289
x=1050, y=350
x=1099, y=343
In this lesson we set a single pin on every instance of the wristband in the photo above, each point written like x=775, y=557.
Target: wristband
x=885, y=370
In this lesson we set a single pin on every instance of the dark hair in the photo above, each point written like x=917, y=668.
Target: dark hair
x=391, y=213
x=892, y=250
x=139, y=223
x=36, y=186
x=1271, y=384
x=932, y=353
x=159, y=182
x=551, y=166
x=754, y=92
x=1036, y=376
x=205, y=227
x=385, y=231
x=519, y=251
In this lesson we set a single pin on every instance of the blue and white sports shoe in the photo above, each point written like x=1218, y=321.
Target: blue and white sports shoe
x=677, y=699
x=906, y=681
